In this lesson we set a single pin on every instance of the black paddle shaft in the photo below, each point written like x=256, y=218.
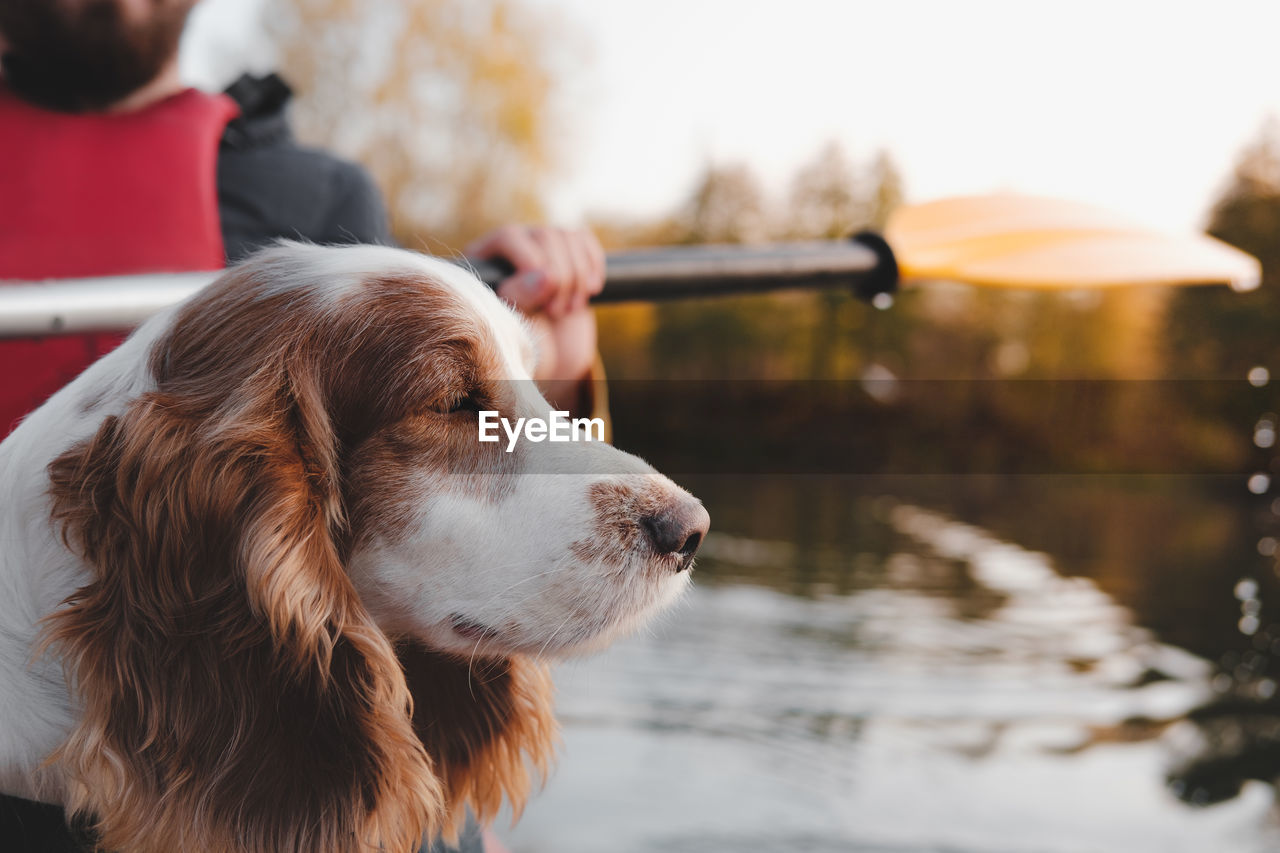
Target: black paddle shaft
x=865, y=263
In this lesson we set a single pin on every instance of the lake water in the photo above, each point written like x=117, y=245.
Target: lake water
x=959, y=664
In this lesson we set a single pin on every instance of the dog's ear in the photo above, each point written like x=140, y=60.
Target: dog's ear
x=486, y=723
x=236, y=694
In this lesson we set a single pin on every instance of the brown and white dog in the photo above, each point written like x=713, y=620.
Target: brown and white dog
x=262, y=589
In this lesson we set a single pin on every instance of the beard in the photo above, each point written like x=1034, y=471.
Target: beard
x=87, y=57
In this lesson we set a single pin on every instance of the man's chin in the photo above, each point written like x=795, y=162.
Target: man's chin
x=89, y=59
x=55, y=89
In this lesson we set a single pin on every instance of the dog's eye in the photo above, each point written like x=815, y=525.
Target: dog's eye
x=464, y=403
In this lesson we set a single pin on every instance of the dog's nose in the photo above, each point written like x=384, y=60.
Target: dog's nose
x=678, y=530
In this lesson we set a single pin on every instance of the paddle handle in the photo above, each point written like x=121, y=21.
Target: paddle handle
x=864, y=263
x=111, y=303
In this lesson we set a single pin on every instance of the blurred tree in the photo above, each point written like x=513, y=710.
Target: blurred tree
x=825, y=204
x=831, y=200
x=716, y=338
x=886, y=190
x=831, y=197
x=726, y=207
x=825, y=201
x=1213, y=332
x=1257, y=171
x=450, y=103
x=825, y=335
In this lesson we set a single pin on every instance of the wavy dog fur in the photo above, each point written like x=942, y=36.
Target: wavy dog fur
x=210, y=511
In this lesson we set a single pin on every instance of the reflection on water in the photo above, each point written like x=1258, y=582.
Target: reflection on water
x=1044, y=664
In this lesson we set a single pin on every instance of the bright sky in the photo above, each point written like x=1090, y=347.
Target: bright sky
x=1138, y=106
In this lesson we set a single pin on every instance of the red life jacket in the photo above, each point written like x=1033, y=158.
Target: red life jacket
x=101, y=194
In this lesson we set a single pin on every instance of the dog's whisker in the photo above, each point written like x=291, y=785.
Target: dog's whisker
x=563, y=622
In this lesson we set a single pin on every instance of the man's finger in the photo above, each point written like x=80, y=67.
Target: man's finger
x=559, y=269
x=587, y=271
x=528, y=290
x=596, y=256
x=529, y=287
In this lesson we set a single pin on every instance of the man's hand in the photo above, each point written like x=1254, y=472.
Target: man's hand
x=557, y=271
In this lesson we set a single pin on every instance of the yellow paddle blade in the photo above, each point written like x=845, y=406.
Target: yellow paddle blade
x=1021, y=241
